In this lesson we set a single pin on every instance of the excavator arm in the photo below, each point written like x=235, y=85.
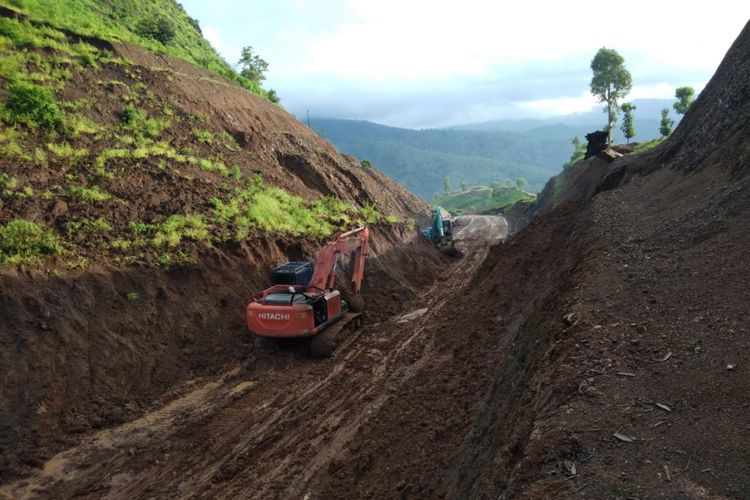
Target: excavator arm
x=355, y=242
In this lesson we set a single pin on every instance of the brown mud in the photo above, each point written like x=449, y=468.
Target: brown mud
x=269, y=424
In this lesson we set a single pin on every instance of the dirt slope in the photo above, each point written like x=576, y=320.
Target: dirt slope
x=284, y=150
x=273, y=425
x=626, y=373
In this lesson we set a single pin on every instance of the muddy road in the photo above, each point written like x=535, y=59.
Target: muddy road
x=270, y=428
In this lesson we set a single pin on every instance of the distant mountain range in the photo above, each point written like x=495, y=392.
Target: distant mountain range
x=477, y=153
x=647, y=118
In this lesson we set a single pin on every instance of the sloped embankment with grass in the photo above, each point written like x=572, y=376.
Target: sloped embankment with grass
x=145, y=190
x=490, y=199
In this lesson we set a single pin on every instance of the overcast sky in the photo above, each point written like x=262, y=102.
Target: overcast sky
x=434, y=63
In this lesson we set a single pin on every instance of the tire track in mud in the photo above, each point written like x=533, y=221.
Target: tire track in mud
x=264, y=430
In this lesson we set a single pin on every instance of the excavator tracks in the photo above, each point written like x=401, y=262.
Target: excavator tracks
x=324, y=343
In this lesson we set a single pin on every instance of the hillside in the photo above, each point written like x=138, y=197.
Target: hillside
x=479, y=153
x=601, y=352
x=112, y=151
x=160, y=26
x=421, y=159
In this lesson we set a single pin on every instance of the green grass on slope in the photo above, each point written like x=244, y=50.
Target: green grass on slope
x=75, y=184
x=124, y=20
x=481, y=199
x=646, y=146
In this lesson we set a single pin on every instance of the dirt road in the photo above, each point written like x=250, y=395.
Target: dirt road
x=479, y=230
x=271, y=427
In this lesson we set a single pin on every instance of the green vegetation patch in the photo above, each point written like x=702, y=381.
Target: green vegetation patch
x=178, y=227
x=33, y=105
x=482, y=198
x=648, y=145
x=88, y=194
x=204, y=136
x=81, y=228
x=65, y=151
x=258, y=209
x=22, y=240
x=159, y=25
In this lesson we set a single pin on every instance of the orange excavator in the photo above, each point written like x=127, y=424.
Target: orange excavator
x=302, y=301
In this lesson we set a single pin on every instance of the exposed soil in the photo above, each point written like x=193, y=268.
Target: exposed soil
x=284, y=150
x=270, y=424
x=78, y=355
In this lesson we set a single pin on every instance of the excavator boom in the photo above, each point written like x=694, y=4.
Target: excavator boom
x=356, y=242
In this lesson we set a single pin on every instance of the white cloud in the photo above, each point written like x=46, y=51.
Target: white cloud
x=422, y=62
x=419, y=40
x=213, y=35
x=656, y=91
x=561, y=105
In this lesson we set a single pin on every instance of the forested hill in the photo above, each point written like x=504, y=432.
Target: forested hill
x=422, y=159
x=479, y=153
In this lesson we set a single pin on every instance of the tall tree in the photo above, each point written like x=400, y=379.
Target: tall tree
x=253, y=66
x=665, y=126
x=521, y=183
x=446, y=184
x=628, y=122
x=684, y=97
x=611, y=81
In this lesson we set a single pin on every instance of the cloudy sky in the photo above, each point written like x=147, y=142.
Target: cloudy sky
x=433, y=63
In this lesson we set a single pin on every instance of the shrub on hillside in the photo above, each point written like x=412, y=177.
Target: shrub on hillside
x=33, y=105
x=130, y=115
x=158, y=28
x=21, y=240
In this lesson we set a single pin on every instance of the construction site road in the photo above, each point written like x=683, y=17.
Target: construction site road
x=273, y=426
x=479, y=230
